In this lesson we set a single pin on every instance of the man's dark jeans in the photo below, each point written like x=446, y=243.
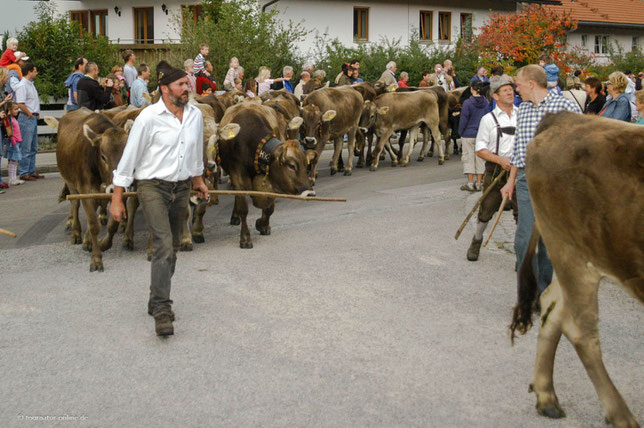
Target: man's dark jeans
x=165, y=206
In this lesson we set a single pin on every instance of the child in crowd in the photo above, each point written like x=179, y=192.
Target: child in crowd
x=232, y=74
x=552, y=71
x=264, y=80
x=199, y=64
x=9, y=56
x=12, y=144
x=206, y=89
x=251, y=88
x=238, y=84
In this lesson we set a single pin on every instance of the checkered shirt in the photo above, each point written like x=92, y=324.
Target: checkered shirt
x=529, y=117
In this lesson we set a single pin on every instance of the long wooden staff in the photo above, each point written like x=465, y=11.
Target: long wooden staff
x=498, y=217
x=216, y=192
x=6, y=232
x=487, y=191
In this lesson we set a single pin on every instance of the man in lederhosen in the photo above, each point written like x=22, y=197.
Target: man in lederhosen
x=494, y=144
x=164, y=154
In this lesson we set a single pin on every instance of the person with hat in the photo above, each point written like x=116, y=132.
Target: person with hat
x=164, y=154
x=494, y=144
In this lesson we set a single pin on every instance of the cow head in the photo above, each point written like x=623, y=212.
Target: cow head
x=316, y=127
x=368, y=116
x=109, y=145
x=288, y=169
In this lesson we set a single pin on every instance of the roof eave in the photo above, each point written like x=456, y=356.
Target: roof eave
x=612, y=24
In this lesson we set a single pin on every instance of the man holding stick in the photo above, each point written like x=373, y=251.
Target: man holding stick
x=532, y=85
x=494, y=144
x=164, y=154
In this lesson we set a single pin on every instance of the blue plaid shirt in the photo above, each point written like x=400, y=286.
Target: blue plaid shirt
x=529, y=117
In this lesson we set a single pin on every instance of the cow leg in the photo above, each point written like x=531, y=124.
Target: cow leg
x=413, y=136
x=197, y=222
x=369, y=158
x=423, y=150
x=75, y=223
x=350, y=145
x=262, y=224
x=579, y=285
x=102, y=212
x=93, y=227
x=112, y=227
x=549, y=334
x=241, y=208
x=359, y=149
x=382, y=139
x=337, y=151
x=73, y=204
x=436, y=135
x=128, y=235
x=401, y=143
x=186, y=237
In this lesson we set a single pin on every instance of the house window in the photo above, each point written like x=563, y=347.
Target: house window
x=584, y=41
x=466, y=26
x=426, y=25
x=636, y=46
x=601, y=45
x=444, y=25
x=360, y=23
x=197, y=12
x=98, y=22
x=82, y=17
x=144, y=25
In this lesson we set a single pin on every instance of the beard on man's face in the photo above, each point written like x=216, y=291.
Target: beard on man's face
x=181, y=100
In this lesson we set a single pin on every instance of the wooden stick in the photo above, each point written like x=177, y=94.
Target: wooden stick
x=487, y=191
x=215, y=192
x=498, y=217
x=6, y=232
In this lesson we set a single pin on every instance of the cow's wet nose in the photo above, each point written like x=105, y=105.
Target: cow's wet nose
x=309, y=140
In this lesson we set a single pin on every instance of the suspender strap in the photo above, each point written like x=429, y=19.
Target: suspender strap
x=498, y=132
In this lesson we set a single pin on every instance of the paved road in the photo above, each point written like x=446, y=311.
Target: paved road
x=356, y=314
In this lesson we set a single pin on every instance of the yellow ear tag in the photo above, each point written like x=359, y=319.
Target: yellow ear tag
x=231, y=134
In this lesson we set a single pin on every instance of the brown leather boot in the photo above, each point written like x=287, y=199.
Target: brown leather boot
x=150, y=311
x=163, y=324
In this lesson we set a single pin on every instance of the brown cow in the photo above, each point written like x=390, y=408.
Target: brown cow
x=328, y=114
x=406, y=110
x=89, y=148
x=281, y=164
x=586, y=177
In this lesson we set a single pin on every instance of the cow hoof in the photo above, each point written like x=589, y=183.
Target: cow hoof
x=199, y=239
x=96, y=267
x=420, y=158
x=76, y=239
x=235, y=221
x=403, y=163
x=186, y=246
x=128, y=245
x=373, y=168
x=441, y=161
x=68, y=225
x=552, y=411
x=430, y=154
x=334, y=171
x=103, y=219
x=246, y=245
x=347, y=173
x=87, y=246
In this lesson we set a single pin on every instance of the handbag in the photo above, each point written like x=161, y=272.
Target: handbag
x=7, y=129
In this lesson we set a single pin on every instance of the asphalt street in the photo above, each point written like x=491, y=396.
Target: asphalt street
x=363, y=313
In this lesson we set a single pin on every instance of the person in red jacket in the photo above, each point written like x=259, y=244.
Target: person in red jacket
x=9, y=56
x=404, y=78
x=201, y=79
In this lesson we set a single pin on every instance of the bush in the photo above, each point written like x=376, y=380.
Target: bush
x=53, y=44
x=413, y=58
x=238, y=28
x=620, y=61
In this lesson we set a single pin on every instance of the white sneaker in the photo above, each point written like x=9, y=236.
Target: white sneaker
x=16, y=182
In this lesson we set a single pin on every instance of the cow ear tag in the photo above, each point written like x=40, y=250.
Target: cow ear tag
x=329, y=115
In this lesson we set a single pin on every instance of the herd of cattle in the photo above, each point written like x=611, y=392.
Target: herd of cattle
x=90, y=145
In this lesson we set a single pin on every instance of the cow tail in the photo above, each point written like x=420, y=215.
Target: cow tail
x=527, y=293
x=63, y=193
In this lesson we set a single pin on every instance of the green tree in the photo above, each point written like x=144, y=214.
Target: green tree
x=53, y=43
x=238, y=28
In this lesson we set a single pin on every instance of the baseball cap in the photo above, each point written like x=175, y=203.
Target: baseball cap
x=498, y=81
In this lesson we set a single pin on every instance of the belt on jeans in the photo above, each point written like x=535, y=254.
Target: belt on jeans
x=158, y=180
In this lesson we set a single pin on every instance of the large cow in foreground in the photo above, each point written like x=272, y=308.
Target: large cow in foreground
x=586, y=179
x=260, y=158
x=89, y=148
x=329, y=114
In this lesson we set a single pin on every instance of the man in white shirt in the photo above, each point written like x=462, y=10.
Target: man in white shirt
x=129, y=71
x=494, y=144
x=164, y=154
x=26, y=96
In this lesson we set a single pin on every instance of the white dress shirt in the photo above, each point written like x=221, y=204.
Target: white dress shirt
x=161, y=147
x=27, y=94
x=486, y=137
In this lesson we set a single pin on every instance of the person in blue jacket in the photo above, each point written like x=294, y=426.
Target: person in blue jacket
x=71, y=83
x=618, y=105
x=474, y=108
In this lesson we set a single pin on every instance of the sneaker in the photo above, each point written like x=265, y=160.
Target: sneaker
x=16, y=182
x=475, y=248
x=478, y=187
x=163, y=324
x=150, y=311
x=469, y=187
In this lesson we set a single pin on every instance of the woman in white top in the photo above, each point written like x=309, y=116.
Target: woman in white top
x=232, y=74
x=264, y=81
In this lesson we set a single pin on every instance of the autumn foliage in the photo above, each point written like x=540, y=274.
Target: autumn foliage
x=517, y=39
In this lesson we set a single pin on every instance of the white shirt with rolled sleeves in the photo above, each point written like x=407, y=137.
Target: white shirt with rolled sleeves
x=161, y=147
x=26, y=93
x=486, y=136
